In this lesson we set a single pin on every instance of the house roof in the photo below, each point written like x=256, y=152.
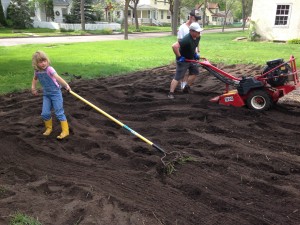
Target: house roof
x=145, y=7
x=61, y=2
x=212, y=5
x=219, y=14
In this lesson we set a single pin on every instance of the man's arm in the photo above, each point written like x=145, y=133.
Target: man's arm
x=175, y=48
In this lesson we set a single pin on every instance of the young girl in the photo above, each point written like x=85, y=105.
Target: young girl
x=52, y=95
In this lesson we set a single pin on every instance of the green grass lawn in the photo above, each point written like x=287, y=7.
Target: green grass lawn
x=107, y=58
x=9, y=32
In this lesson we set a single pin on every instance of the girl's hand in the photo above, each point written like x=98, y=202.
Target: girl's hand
x=34, y=92
x=68, y=88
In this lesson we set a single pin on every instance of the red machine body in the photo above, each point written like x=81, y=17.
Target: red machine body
x=260, y=92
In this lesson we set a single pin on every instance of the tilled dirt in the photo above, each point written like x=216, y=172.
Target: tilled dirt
x=243, y=166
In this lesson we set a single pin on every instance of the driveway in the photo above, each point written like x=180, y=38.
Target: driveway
x=92, y=38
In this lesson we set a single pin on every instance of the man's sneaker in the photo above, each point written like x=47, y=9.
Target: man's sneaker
x=171, y=95
x=187, y=89
x=182, y=84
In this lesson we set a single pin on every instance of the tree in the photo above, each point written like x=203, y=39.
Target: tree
x=134, y=8
x=18, y=12
x=189, y=3
x=126, y=19
x=75, y=15
x=246, y=10
x=222, y=4
x=46, y=6
x=2, y=17
x=228, y=6
x=171, y=7
x=82, y=17
x=49, y=10
x=204, y=13
x=175, y=17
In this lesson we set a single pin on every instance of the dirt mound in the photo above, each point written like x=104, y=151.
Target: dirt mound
x=245, y=167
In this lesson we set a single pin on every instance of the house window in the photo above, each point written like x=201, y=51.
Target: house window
x=282, y=14
x=64, y=11
x=155, y=2
x=214, y=19
x=168, y=15
x=162, y=15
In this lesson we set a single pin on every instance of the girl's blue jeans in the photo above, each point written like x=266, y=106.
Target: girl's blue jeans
x=55, y=101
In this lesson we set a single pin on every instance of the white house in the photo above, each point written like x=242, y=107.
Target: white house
x=276, y=20
x=214, y=16
x=152, y=12
x=60, y=8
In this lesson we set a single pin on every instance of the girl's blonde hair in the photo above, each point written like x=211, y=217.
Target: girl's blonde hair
x=37, y=57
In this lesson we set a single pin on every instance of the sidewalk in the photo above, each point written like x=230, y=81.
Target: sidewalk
x=73, y=39
x=92, y=38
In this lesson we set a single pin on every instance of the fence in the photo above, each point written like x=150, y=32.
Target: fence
x=67, y=26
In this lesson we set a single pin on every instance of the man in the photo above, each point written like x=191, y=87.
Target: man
x=186, y=49
x=184, y=28
x=182, y=31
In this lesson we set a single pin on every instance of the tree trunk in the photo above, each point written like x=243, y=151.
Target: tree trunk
x=126, y=19
x=175, y=17
x=223, y=28
x=136, y=19
x=82, y=14
x=243, y=14
x=204, y=14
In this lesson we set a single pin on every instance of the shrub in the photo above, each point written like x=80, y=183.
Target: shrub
x=253, y=35
x=65, y=30
x=294, y=41
x=106, y=31
x=18, y=12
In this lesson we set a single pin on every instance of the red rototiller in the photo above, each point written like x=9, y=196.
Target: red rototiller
x=260, y=92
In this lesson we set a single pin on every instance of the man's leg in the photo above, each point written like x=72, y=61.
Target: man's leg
x=173, y=85
x=193, y=72
x=191, y=80
x=184, y=81
x=181, y=68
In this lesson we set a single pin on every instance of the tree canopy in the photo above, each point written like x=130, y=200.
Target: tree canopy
x=18, y=14
x=75, y=15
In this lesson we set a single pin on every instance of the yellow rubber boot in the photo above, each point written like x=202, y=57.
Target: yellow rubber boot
x=65, y=130
x=48, y=125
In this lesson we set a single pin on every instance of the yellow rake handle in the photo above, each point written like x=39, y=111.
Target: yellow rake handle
x=118, y=122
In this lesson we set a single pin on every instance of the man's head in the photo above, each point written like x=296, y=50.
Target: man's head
x=195, y=14
x=195, y=29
